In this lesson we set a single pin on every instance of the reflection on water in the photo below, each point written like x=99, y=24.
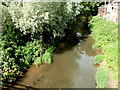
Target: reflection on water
x=71, y=69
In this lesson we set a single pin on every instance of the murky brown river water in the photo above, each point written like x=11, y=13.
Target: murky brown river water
x=71, y=69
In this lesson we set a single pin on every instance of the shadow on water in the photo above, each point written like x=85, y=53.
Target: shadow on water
x=75, y=34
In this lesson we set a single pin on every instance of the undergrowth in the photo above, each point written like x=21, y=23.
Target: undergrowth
x=98, y=59
x=101, y=77
x=105, y=34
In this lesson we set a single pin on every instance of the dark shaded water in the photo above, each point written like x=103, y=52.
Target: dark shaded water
x=71, y=69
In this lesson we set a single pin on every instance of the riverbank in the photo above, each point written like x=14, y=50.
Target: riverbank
x=111, y=82
x=33, y=74
x=105, y=34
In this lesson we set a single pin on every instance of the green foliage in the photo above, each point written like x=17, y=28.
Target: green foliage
x=98, y=59
x=42, y=16
x=105, y=34
x=101, y=77
x=46, y=57
x=89, y=8
x=17, y=60
x=30, y=30
x=27, y=54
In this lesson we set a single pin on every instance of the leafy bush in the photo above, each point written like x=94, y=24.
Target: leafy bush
x=46, y=57
x=101, y=77
x=98, y=59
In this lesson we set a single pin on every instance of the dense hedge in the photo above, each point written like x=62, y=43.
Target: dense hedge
x=105, y=34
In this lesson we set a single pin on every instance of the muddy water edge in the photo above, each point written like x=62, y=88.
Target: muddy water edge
x=72, y=67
